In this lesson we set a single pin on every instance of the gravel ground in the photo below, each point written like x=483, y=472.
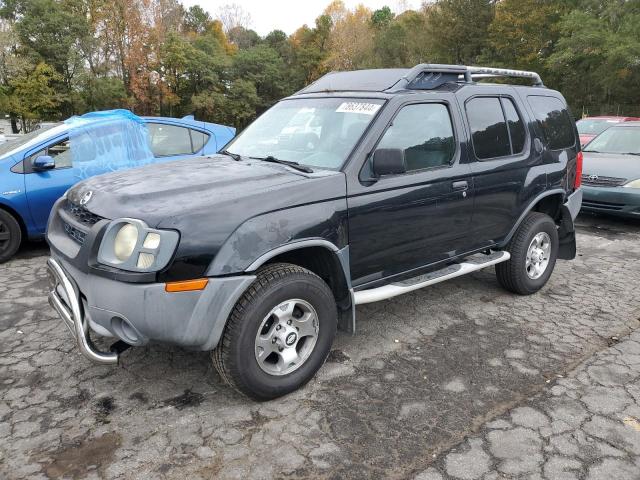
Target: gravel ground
x=461, y=381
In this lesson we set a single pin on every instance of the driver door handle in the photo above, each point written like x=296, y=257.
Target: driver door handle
x=461, y=185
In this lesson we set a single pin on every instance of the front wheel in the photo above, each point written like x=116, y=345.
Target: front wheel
x=10, y=236
x=279, y=333
x=534, y=250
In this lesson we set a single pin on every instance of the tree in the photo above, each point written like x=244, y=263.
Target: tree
x=51, y=31
x=233, y=15
x=33, y=96
x=457, y=29
x=382, y=18
x=236, y=105
x=401, y=43
x=351, y=38
x=196, y=20
x=243, y=37
x=524, y=32
x=597, y=57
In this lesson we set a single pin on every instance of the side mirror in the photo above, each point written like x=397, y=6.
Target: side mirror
x=43, y=162
x=388, y=161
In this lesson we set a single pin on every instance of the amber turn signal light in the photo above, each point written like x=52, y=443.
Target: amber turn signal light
x=186, y=285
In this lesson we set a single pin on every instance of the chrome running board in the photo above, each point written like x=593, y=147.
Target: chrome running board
x=470, y=264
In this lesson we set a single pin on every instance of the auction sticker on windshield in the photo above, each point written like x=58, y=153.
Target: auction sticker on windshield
x=358, y=107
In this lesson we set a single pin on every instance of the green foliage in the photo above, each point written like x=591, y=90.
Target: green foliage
x=61, y=57
x=33, y=96
x=382, y=18
x=457, y=29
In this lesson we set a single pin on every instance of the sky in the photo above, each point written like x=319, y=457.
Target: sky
x=289, y=15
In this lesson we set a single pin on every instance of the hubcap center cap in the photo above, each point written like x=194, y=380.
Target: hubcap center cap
x=290, y=339
x=287, y=336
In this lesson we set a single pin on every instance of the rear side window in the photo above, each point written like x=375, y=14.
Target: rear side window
x=199, y=140
x=167, y=140
x=488, y=127
x=555, y=121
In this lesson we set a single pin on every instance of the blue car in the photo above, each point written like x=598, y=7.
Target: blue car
x=37, y=168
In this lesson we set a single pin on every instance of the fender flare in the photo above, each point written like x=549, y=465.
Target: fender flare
x=346, y=316
x=288, y=247
x=533, y=203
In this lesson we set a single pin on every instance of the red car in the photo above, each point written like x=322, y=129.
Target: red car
x=590, y=127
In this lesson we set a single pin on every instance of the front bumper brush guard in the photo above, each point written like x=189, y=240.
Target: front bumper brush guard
x=70, y=310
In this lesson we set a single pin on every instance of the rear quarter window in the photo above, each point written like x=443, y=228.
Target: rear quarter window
x=554, y=120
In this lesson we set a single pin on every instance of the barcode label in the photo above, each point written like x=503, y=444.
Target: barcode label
x=358, y=107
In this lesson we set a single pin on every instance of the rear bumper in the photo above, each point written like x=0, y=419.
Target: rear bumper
x=140, y=313
x=619, y=201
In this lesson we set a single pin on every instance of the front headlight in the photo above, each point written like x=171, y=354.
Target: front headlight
x=633, y=184
x=125, y=242
x=129, y=244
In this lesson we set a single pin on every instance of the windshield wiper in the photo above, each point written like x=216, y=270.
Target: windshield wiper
x=631, y=153
x=235, y=156
x=296, y=165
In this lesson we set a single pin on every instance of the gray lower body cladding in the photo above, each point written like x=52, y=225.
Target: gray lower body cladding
x=140, y=313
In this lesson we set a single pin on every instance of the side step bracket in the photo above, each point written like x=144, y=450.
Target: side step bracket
x=470, y=264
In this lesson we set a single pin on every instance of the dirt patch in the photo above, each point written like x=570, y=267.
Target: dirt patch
x=187, y=399
x=103, y=409
x=78, y=459
x=337, y=356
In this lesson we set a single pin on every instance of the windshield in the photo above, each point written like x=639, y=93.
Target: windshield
x=318, y=132
x=31, y=138
x=594, y=126
x=617, y=140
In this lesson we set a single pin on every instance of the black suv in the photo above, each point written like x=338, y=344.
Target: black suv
x=363, y=186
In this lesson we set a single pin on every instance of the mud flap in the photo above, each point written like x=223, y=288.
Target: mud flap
x=566, y=235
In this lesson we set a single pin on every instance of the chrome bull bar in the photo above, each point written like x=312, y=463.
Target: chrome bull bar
x=64, y=298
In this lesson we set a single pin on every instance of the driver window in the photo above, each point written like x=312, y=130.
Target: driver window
x=425, y=133
x=60, y=152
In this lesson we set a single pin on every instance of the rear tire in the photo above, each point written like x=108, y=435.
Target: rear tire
x=279, y=333
x=10, y=236
x=534, y=250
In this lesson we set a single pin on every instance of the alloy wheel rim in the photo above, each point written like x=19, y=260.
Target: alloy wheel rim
x=286, y=337
x=538, y=255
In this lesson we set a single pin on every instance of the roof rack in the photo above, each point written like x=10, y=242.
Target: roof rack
x=428, y=76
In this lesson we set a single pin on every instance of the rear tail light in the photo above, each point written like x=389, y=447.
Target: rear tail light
x=578, y=181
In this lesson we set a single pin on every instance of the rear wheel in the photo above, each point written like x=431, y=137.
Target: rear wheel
x=279, y=333
x=534, y=250
x=10, y=236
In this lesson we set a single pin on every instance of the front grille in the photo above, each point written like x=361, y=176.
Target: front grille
x=81, y=214
x=78, y=235
x=602, y=205
x=600, y=181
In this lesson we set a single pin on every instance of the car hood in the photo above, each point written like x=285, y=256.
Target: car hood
x=611, y=165
x=216, y=185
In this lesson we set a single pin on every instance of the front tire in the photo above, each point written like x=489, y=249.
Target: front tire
x=10, y=236
x=279, y=333
x=534, y=250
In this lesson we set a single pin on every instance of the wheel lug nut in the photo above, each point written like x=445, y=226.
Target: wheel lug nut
x=278, y=327
x=288, y=322
x=273, y=340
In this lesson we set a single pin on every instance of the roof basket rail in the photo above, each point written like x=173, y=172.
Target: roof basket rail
x=427, y=76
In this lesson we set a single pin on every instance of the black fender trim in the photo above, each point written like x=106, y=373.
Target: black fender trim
x=566, y=228
x=526, y=211
x=346, y=309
